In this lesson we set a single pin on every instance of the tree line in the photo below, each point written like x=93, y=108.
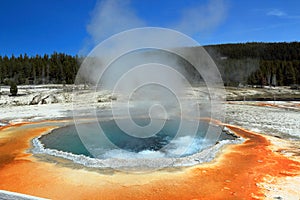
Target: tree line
x=55, y=68
x=244, y=63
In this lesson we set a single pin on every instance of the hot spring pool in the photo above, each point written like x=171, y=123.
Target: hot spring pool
x=115, y=143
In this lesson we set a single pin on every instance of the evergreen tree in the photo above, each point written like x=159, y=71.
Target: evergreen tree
x=13, y=88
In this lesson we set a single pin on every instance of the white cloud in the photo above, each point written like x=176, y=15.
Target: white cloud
x=202, y=18
x=276, y=12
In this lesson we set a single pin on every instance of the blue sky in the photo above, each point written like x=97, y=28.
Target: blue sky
x=38, y=27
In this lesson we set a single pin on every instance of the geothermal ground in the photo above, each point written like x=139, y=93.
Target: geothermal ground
x=265, y=165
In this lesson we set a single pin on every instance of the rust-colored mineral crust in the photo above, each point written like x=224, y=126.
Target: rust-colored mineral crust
x=234, y=174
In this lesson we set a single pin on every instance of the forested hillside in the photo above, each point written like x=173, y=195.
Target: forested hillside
x=258, y=63
x=247, y=63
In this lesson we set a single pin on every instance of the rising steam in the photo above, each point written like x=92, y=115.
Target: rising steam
x=113, y=16
x=151, y=71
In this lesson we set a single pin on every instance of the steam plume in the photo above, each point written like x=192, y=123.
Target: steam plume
x=113, y=16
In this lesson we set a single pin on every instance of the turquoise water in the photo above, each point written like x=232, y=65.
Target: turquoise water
x=65, y=139
x=115, y=143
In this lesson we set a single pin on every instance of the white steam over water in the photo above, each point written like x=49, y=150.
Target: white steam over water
x=177, y=146
x=152, y=74
x=149, y=71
